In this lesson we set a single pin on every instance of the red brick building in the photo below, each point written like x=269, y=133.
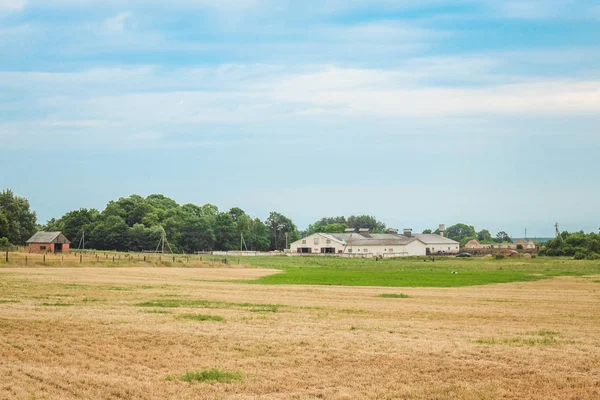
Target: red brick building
x=48, y=242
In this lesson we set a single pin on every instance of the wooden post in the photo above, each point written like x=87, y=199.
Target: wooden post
x=44, y=259
x=25, y=260
x=80, y=259
x=113, y=258
x=6, y=255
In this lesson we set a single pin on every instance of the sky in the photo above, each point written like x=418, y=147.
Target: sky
x=417, y=112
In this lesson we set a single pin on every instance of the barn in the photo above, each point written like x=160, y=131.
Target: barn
x=365, y=244
x=48, y=242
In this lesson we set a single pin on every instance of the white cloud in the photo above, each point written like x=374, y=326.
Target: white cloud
x=106, y=104
x=12, y=5
x=117, y=23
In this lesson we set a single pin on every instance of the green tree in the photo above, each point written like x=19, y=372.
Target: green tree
x=74, y=223
x=460, y=231
x=503, y=237
x=365, y=222
x=226, y=237
x=278, y=226
x=334, y=228
x=142, y=238
x=427, y=231
x=196, y=235
x=17, y=221
x=111, y=233
x=4, y=243
x=484, y=235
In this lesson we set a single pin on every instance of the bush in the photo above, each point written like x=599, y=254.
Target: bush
x=533, y=256
x=500, y=256
x=579, y=256
x=4, y=243
x=592, y=256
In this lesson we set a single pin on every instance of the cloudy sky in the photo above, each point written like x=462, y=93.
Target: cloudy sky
x=417, y=112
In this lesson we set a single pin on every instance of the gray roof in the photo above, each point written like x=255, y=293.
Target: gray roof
x=373, y=239
x=48, y=237
x=432, y=238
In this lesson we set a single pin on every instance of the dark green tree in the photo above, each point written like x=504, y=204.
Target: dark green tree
x=484, y=235
x=278, y=226
x=460, y=231
x=17, y=221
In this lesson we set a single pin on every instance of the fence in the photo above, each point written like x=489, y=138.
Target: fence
x=92, y=258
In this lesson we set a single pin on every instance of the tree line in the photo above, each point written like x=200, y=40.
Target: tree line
x=579, y=245
x=136, y=223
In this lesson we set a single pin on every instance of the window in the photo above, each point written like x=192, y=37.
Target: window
x=316, y=241
x=358, y=250
x=328, y=241
x=42, y=247
x=391, y=250
x=304, y=242
x=349, y=250
x=366, y=250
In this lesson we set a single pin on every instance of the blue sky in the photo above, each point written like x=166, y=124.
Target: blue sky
x=418, y=112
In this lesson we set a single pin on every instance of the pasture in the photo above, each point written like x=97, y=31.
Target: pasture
x=300, y=328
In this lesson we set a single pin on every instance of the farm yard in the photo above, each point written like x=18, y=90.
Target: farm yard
x=298, y=328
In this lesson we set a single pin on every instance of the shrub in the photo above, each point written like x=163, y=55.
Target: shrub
x=394, y=296
x=579, y=256
x=500, y=256
x=209, y=375
x=592, y=256
x=533, y=256
x=4, y=243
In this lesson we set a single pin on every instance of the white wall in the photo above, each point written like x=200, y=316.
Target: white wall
x=315, y=242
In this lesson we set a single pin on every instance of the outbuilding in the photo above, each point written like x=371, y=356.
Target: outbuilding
x=365, y=244
x=48, y=242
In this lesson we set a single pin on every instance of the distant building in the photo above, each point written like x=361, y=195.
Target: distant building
x=473, y=244
x=363, y=243
x=521, y=242
x=48, y=242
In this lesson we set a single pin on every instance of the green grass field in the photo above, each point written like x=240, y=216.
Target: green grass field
x=415, y=272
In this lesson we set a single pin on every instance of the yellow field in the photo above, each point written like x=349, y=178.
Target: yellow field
x=82, y=333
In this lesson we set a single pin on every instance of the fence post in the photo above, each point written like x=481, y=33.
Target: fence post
x=25, y=260
x=113, y=258
x=80, y=258
x=44, y=258
x=6, y=255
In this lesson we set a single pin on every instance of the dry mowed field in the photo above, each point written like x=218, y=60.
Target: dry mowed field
x=100, y=333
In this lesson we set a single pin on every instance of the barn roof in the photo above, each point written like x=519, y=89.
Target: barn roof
x=521, y=241
x=473, y=243
x=385, y=239
x=46, y=237
x=432, y=238
x=373, y=239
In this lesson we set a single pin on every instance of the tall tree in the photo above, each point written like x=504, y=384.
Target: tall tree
x=460, y=231
x=484, y=235
x=16, y=219
x=279, y=225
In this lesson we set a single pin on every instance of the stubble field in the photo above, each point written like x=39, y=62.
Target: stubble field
x=90, y=332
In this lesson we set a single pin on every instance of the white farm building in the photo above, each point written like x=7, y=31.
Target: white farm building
x=365, y=244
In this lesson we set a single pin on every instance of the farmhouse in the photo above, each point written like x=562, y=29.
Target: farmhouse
x=365, y=244
x=48, y=242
